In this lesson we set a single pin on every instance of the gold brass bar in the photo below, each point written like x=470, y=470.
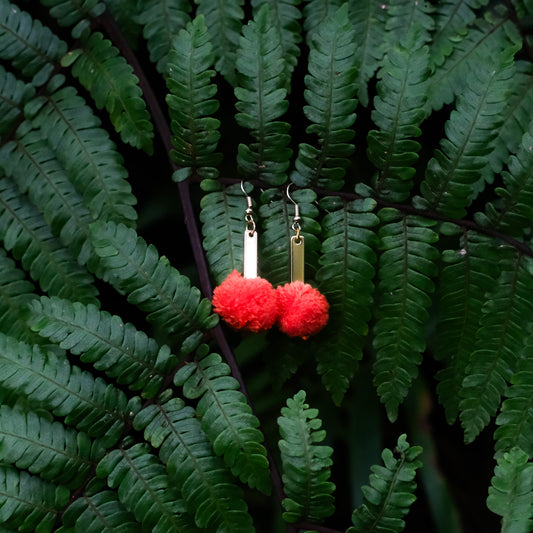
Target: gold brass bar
x=297, y=258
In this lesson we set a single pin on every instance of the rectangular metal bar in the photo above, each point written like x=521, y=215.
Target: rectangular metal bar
x=250, y=254
x=297, y=258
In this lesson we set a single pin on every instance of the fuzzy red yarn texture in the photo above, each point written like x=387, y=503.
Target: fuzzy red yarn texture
x=246, y=303
x=303, y=310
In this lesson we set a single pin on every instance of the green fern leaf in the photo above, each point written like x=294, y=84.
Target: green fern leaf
x=191, y=101
x=515, y=421
x=48, y=380
x=511, y=492
x=34, y=443
x=145, y=489
x=409, y=18
x=224, y=22
x=286, y=16
x=317, y=11
x=25, y=233
x=70, y=12
x=499, y=342
x=398, y=113
x=206, y=486
x=128, y=355
x=14, y=94
x=368, y=18
x=261, y=100
x=452, y=22
x=113, y=86
x=486, y=39
x=31, y=47
x=100, y=510
x=88, y=155
x=305, y=463
x=469, y=273
x=16, y=292
x=151, y=283
x=345, y=278
x=330, y=95
x=28, y=503
x=514, y=212
x=459, y=170
x=162, y=20
x=277, y=216
x=391, y=491
x=226, y=417
x=406, y=266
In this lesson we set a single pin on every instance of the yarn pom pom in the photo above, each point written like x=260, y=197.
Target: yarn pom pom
x=246, y=303
x=303, y=310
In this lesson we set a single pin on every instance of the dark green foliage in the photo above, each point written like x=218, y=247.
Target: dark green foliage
x=330, y=95
x=70, y=12
x=306, y=463
x=191, y=102
x=511, y=493
x=261, y=100
x=13, y=95
x=390, y=494
x=226, y=417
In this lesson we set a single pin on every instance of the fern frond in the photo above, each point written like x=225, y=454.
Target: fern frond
x=469, y=273
x=277, y=217
x=151, y=283
x=224, y=23
x=368, y=18
x=70, y=12
x=405, y=17
x=499, y=342
x=25, y=233
x=261, y=101
x=345, y=278
x=286, y=16
x=515, y=420
x=330, y=95
x=49, y=381
x=401, y=96
x=391, y=491
x=513, y=214
x=14, y=94
x=31, y=47
x=113, y=86
x=28, y=503
x=127, y=354
x=191, y=102
x=452, y=22
x=406, y=266
x=91, y=159
x=487, y=38
x=458, y=171
x=162, y=20
x=206, y=486
x=16, y=292
x=145, y=489
x=305, y=463
x=226, y=417
x=511, y=492
x=315, y=12
x=98, y=509
x=34, y=443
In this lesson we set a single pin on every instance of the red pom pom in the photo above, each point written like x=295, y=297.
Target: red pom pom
x=303, y=310
x=246, y=303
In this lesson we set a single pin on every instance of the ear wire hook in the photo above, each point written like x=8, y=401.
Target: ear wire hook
x=248, y=213
x=296, y=226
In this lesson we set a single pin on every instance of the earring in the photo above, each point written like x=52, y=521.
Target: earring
x=247, y=301
x=303, y=310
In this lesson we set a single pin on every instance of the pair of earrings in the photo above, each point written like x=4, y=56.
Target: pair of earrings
x=250, y=302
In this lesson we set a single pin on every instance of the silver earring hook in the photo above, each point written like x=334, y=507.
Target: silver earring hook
x=296, y=226
x=248, y=213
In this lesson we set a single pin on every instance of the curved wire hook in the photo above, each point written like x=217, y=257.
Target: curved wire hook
x=296, y=226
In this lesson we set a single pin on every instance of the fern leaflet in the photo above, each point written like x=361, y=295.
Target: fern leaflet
x=206, y=486
x=70, y=12
x=316, y=11
x=511, y=492
x=406, y=266
x=226, y=417
x=14, y=94
x=330, y=95
x=391, y=491
x=345, y=277
x=191, y=102
x=113, y=86
x=306, y=463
